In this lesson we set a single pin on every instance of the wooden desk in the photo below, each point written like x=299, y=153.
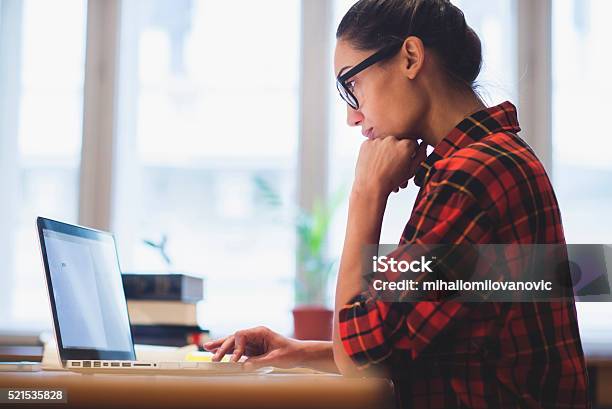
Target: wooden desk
x=286, y=391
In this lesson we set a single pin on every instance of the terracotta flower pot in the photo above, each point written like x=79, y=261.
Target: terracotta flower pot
x=312, y=323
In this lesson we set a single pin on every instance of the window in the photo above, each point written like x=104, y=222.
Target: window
x=582, y=171
x=206, y=139
x=581, y=143
x=210, y=108
x=41, y=92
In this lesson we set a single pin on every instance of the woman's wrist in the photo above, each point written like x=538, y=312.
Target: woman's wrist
x=317, y=355
x=368, y=193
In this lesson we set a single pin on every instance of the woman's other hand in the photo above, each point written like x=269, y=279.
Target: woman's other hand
x=262, y=346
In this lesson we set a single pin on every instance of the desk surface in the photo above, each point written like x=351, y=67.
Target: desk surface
x=285, y=391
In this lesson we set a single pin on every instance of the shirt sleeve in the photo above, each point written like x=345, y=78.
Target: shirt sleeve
x=372, y=330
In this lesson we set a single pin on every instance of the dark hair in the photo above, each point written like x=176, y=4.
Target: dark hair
x=441, y=26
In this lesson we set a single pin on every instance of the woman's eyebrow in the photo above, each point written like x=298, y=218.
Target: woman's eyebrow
x=342, y=70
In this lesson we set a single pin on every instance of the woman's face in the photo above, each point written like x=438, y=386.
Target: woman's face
x=391, y=101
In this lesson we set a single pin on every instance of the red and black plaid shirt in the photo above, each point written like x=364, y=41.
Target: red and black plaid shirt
x=481, y=184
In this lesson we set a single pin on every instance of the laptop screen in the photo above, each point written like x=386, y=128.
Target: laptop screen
x=87, y=298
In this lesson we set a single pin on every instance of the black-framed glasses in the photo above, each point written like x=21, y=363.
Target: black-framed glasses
x=341, y=82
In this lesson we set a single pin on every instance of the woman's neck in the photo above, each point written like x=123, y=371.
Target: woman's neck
x=446, y=111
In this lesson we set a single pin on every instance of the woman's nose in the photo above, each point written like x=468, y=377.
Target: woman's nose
x=353, y=116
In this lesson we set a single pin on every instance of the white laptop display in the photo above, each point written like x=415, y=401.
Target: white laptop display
x=90, y=313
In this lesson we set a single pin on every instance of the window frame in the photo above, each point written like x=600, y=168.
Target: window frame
x=11, y=12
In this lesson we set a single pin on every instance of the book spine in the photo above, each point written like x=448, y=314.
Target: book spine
x=147, y=312
x=163, y=287
x=169, y=335
x=193, y=288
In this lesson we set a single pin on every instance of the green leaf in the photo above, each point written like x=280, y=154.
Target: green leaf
x=267, y=192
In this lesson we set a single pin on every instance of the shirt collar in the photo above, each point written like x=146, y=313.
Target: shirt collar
x=500, y=118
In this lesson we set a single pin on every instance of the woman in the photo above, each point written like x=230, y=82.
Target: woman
x=406, y=69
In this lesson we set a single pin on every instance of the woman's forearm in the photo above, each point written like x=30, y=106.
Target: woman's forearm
x=366, y=211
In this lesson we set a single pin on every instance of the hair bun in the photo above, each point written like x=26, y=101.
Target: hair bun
x=463, y=57
x=373, y=24
x=470, y=62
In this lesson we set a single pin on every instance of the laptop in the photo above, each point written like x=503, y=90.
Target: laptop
x=90, y=315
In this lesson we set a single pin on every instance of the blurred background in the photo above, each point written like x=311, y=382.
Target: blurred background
x=213, y=123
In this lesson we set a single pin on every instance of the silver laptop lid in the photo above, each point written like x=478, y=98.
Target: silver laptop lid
x=86, y=292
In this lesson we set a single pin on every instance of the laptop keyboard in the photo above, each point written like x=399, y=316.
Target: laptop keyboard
x=110, y=364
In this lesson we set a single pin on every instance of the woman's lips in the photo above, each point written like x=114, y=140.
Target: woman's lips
x=368, y=133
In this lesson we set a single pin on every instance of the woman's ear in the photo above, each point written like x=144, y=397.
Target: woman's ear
x=413, y=56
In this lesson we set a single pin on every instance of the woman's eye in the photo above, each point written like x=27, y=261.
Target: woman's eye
x=351, y=85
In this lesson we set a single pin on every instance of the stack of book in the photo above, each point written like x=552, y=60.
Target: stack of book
x=163, y=308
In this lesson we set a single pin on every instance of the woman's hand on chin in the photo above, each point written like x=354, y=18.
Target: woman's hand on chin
x=386, y=164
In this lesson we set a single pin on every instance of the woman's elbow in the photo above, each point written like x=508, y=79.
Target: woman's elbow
x=345, y=364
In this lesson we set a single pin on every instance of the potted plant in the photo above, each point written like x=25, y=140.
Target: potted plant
x=312, y=316
x=161, y=249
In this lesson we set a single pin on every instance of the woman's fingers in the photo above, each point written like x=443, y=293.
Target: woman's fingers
x=240, y=343
x=213, y=345
x=250, y=342
x=419, y=157
x=226, y=347
x=404, y=185
x=421, y=152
